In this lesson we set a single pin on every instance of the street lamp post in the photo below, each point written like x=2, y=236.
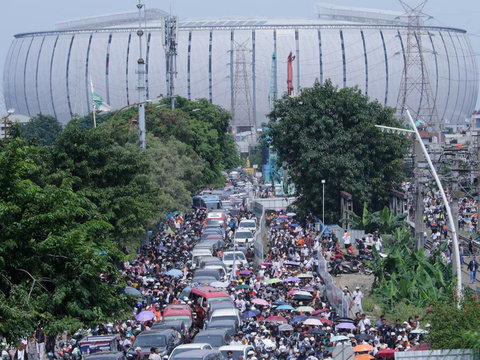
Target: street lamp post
x=127, y=106
x=9, y=112
x=323, y=205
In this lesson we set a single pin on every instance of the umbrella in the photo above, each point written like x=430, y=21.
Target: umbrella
x=250, y=314
x=245, y=272
x=475, y=215
x=219, y=284
x=339, y=338
x=300, y=318
x=290, y=279
x=175, y=213
x=320, y=311
x=266, y=264
x=345, y=326
x=278, y=302
x=424, y=346
x=326, y=321
x=291, y=214
x=260, y=302
x=386, y=353
x=316, y=331
x=175, y=272
x=301, y=276
x=304, y=293
x=132, y=291
x=301, y=297
x=273, y=281
x=283, y=217
x=343, y=320
x=419, y=331
x=170, y=231
x=203, y=208
x=292, y=263
x=285, y=327
x=364, y=357
x=308, y=289
x=363, y=347
x=330, y=348
x=145, y=316
x=293, y=292
x=239, y=287
x=273, y=318
x=365, y=337
x=305, y=309
x=285, y=307
x=162, y=248
x=315, y=322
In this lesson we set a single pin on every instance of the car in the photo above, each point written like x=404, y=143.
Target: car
x=239, y=258
x=205, y=280
x=238, y=350
x=188, y=347
x=217, y=306
x=164, y=340
x=179, y=312
x=244, y=237
x=208, y=273
x=216, y=338
x=200, y=355
x=226, y=314
x=248, y=225
x=106, y=355
x=179, y=326
x=230, y=325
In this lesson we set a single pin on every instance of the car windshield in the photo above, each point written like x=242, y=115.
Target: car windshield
x=224, y=317
x=186, y=319
x=177, y=351
x=236, y=353
x=219, y=299
x=238, y=256
x=247, y=224
x=149, y=341
x=243, y=234
x=215, y=341
x=214, y=222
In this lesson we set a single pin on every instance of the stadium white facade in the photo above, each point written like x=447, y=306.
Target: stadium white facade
x=48, y=72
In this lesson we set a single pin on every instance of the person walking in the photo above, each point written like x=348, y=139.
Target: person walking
x=31, y=348
x=40, y=339
x=473, y=267
x=357, y=296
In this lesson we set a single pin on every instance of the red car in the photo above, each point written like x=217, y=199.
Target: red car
x=179, y=312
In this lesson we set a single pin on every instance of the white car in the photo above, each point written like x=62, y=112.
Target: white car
x=239, y=259
x=248, y=225
x=187, y=347
x=243, y=237
x=238, y=350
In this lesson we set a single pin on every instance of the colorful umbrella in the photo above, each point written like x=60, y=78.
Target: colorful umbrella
x=316, y=331
x=305, y=309
x=419, y=331
x=273, y=318
x=326, y=321
x=285, y=307
x=364, y=337
x=314, y=322
x=243, y=286
x=389, y=353
x=145, y=316
x=250, y=314
x=293, y=292
x=290, y=214
x=320, y=311
x=339, y=338
x=291, y=279
x=363, y=347
x=292, y=263
x=278, y=302
x=266, y=264
x=297, y=319
x=308, y=289
x=285, y=327
x=273, y=281
x=345, y=326
x=302, y=276
x=304, y=293
x=364, y=357
x=260, y=302
x=175, y=272
x=245, y=272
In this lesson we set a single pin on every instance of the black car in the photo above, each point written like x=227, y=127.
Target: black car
x=179, y=326
x=164, y=340
x=230, y=325
x=106, y=355
x=216, y=338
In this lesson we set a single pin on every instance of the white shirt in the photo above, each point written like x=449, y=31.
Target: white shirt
x=357, y=296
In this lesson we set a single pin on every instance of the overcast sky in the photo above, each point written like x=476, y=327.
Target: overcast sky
x=21, y=16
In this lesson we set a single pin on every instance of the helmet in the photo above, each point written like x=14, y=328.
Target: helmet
x=240, y=281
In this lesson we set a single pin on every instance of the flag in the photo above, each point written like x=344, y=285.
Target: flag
x=98, y=103
x=447, y=121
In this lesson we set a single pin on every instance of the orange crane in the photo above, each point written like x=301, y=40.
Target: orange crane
x=290, y=73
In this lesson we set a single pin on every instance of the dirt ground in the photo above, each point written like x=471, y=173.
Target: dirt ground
x=354, y=280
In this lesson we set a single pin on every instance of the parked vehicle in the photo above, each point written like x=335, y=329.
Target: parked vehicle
x=199, y=355
x=188, y=347
x=230, y=325
x=164, y=340
x=243, y=237
x=226, y=314
x=179, y=326
x=239, y=258
x=106, y=355
x=216, y=338
x=248, y=225
x=203, y=296
x=238, y=350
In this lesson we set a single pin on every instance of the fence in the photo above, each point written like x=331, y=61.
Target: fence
x=260, y=238
x=335, y=296
x=454, y=354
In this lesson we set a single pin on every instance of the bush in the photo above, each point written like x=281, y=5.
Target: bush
x=401, y=310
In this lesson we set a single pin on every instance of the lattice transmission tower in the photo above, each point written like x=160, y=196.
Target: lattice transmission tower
x=273, y=92
x=242, y=96
x=415, y=82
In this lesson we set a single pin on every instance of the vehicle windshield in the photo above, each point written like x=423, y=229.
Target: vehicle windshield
x=216, y=341
x=229, y=256
x=247, y=224
x=224, y=317
x=149, y=341
x=243, y=234
x=214, y=222
x=186, y=319
x=236, y=353
x=219, y=299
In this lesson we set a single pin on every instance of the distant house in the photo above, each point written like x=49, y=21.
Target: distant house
x=22, y=119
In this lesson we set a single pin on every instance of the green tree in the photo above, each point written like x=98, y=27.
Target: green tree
x=327, y=133
x=45, y=128
x=53, y=246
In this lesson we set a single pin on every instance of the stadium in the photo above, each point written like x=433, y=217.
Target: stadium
x=48, y=72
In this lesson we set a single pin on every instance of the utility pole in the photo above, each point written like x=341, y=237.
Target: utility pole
x=141, y=82
x=418, y=172
x=242, y=97
x=170, y=41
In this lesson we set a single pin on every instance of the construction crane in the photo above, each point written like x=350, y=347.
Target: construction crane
x=290, y=73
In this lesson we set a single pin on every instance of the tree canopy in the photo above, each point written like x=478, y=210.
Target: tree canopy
x=53, y=247
x=44, y=128
x=327, y=133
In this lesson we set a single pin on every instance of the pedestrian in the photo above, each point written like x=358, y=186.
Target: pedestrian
x=473, y=267
x=357, y=296
x=346, y=239
x=470, y=246
x=31, y=348
x=138, y=353
x=40, y=339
